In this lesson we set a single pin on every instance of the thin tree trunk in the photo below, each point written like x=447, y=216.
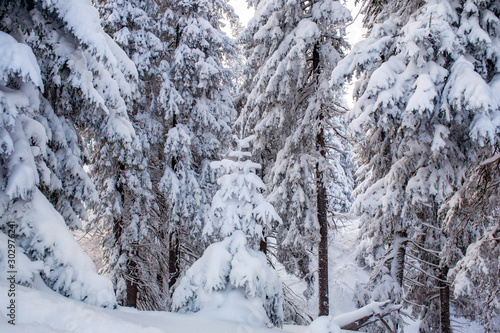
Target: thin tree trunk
x=444, y=296
x=173, y=239
x=323, y=246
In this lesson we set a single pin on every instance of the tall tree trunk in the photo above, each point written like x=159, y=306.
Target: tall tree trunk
x=444, y=297
x=321, y=204
x=173, y=237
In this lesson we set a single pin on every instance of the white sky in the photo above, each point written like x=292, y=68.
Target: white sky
x=241, y=8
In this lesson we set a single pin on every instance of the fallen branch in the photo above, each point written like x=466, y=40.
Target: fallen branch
x=366, y=315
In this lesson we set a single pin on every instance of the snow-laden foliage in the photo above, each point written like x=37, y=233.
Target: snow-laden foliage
x=230, y=275
x=476, y=284
x=143, y=30
x=427, y=115
x=199, y=126
x=292, y=48
x=41, y=159
x=471, y=224
x=239, y=204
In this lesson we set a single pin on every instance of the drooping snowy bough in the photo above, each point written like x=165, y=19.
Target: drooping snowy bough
x=59, y=72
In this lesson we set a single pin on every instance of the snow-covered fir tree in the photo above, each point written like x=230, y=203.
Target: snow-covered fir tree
x=142, y=29
x=60, y=73
x=427, y=116
x=292, y=48
x=199, y=124
x=239, y=203
x=233, y=278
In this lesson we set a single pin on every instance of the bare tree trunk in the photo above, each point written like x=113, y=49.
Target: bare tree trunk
x=444, y=297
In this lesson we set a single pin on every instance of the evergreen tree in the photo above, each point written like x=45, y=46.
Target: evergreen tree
x=199, y=124
x=62, y=73
x=291, y=49
x=239, y=204
x=142, y=29
x=425, y=112
x=241, y=281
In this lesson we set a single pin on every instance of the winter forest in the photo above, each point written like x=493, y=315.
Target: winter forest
x=165, y=167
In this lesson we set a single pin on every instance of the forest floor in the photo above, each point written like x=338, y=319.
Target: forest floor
x=41, y=310
x=44, y=311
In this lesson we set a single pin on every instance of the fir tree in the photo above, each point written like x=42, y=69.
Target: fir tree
x=425, y=112
x=242, y=278
x=142, y=29
x=292, y=48
x=64, y=74
x=199, y=124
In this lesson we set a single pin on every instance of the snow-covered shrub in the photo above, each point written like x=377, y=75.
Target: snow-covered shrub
x=233, y=280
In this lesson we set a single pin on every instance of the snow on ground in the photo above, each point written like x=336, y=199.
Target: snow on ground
x=44, y=311
x=40, y=310
x=344, y=273
x=47, y=312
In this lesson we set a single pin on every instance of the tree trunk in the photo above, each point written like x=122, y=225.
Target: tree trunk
x=321, y=201
x=323, y=246
x=132, y=288
x=173, y=260
x=444, y=297
x=398, y=263
x=263, y=245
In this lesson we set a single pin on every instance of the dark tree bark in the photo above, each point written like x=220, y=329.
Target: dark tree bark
x=263, y=245
x=321, y=202
x=132, y=288
x=399, y=258
x=444, y=297
x=323, y=246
